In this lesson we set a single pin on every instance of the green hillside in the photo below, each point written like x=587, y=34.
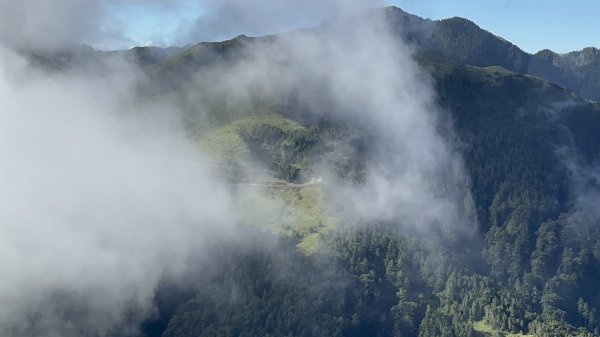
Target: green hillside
x=531, y=272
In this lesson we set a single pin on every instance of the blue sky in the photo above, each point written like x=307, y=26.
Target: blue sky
x=146, y=24
x=531, y=24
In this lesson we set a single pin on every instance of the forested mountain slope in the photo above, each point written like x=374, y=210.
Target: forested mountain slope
x=530, y=150
x=532, y=267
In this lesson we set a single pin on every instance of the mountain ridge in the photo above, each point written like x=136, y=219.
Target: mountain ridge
x=457, y=39
x=464, y=42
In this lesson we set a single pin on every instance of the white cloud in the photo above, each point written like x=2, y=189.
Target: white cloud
x=94, y=208
x=47, y=24
x=224, y=19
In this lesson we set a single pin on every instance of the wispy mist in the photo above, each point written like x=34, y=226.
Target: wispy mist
x=584, y=182
x=94, y=206
x=47, y=25
x=356, y=72
x=226, y=19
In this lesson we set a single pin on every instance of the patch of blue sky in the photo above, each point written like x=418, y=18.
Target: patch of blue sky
x=142, y=24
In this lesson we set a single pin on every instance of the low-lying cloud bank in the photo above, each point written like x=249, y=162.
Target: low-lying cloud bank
x=93, y=207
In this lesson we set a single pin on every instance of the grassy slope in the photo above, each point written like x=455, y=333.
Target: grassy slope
x=483, y=329
x=300, y=211
x=226, y=144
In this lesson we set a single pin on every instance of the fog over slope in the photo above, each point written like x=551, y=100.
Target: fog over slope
x=95, y=208
x=357, y=73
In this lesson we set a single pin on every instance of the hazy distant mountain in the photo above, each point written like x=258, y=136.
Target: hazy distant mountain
x=578, y=70
x=86, y=57
x=464, y=42
x=148, y=55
